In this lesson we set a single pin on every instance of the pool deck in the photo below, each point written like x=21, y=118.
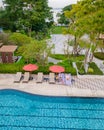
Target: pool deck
x=86, y=86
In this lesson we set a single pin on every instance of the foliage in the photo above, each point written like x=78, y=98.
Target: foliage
x=86, y=18
x=27, y=16
x=62, y=19
x=10, y=68
x=80, y=67
x=58, y=56
x=72, y=58
x=90, y=70
x=68, y=67
x=38, y=50
x=18, y=66
x=15, y=67
x=4, y=20
x=19, y=39
x=4, y=38
x=81, y=71
x=97, y=71
x=99, y=55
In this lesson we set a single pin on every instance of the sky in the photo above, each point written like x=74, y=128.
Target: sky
x=61, y=3
x=0, y=3
x=57, y=3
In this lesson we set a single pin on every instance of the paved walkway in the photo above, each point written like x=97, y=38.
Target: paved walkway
x=83, y=87
x=99, y=63
x=55, y=61
x=59, y=40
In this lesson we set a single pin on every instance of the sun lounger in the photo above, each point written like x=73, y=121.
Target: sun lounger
x=26, y=77
x=39, y=77
x=51, y=78
x=18, y=77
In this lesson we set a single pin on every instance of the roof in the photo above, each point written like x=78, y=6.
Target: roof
x=8, y=48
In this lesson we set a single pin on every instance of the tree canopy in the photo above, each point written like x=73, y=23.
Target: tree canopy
x=62, y=19
x=27, y=16
x=86, y=17
x=36, y=50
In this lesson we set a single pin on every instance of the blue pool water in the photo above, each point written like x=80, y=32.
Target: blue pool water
x=23, y=111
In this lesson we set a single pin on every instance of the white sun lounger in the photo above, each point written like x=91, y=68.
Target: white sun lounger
x=26, y=77
x=18, y=77
x=51, y=78
x=39, y=77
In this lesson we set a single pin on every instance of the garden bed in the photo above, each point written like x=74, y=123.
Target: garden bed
x=99, y=55
x=93, y=66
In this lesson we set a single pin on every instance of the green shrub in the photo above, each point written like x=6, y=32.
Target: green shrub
x=71, y=57
x=44, y=69
x=99, y=55
x=4, y=38
x=81, y=71
x=19, y=39
x=10, y=68
x=68, y=67
x=90, y=70
x=96, y=71
x=80, y=66
x=58, y=56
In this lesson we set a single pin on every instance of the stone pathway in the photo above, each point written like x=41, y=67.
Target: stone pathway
x=55, y=61
x=59, y=41
x=82, y=87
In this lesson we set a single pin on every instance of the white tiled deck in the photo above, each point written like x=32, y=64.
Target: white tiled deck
x=83, y=87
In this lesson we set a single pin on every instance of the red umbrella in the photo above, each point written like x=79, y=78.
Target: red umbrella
x=56, y=69
x=30, y=67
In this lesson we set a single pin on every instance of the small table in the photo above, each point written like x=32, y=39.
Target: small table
x=46, y=79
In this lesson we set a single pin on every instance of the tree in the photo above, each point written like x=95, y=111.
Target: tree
x=87, y=17
x=62, y=19
x=73, y=30
x=19, y=39
x=28, y=15
x=4, y=20
x=90, y=18
x=38, y=50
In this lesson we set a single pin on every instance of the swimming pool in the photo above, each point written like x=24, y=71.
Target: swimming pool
x=23, y=111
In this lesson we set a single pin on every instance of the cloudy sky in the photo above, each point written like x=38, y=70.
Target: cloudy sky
x=57, y=3
x=0, y=2
x=61, y=3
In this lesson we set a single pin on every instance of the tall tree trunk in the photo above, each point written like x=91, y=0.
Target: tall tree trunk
x=91, y=57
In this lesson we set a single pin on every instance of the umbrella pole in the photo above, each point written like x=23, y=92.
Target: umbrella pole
x=31, y=75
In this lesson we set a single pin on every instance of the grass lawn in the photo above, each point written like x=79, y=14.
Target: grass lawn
x=71, y=57
x=57, y=30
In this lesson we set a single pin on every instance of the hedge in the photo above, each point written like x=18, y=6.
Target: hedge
x=96, y=70
x=99, y=55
